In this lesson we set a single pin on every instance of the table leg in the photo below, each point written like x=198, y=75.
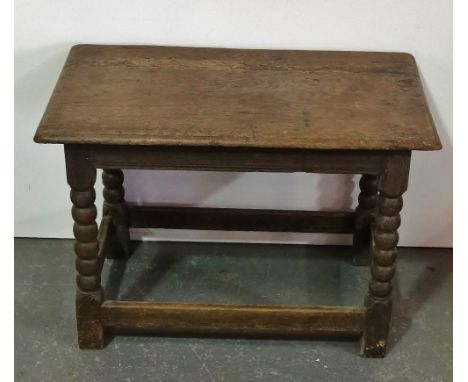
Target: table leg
x=393, y=184
x=81, y=176
x=364, y=215
x=116, y=207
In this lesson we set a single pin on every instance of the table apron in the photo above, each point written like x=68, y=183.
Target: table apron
x=234, y=159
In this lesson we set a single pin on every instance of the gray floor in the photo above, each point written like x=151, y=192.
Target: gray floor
x=45, y=342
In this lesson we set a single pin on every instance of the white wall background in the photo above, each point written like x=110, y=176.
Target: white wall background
x=46, y=29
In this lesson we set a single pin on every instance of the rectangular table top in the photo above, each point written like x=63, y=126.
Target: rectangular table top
x=151, y=95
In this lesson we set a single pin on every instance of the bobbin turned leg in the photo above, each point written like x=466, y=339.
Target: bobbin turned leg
x=378, y=303
x=116, y=207
x=364, y=216
x=81, y=176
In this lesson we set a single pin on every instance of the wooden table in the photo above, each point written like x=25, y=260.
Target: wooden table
x=124, y=107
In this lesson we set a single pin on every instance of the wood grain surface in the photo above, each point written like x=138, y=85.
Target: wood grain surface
x=149, y=95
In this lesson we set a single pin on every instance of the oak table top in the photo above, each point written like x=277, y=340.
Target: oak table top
x=151, y=95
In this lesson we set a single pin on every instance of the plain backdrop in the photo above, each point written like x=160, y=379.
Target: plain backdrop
x=46, y=29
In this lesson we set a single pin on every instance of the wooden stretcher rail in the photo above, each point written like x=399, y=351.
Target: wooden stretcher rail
x=236, y=320
x=232, y=219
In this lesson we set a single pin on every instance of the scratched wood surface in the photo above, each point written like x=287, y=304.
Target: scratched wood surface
x=147, y=95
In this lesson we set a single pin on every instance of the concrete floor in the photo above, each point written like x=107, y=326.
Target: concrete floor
x=45, y=340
